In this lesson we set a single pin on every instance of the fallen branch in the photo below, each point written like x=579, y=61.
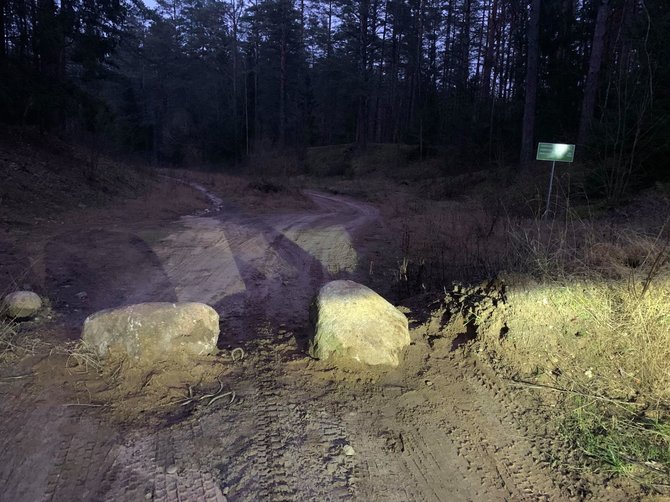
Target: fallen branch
x=214, y=396
x=214, y=393
x=575, y=392
x=219, y=396
x=16, y=377
x=189, y=399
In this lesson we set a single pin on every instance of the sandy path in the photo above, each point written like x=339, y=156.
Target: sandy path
x=439, y=428
x=257, y=269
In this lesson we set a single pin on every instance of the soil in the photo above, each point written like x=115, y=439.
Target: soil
x=276, y=425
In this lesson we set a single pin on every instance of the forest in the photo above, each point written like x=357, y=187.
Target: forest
x=304, y=250
x=200, y=82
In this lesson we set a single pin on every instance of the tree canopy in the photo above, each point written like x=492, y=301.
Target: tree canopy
x=205, y=80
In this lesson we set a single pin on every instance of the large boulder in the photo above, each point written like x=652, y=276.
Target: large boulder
x=352, y=322
x=22, y=304
x=150, y=332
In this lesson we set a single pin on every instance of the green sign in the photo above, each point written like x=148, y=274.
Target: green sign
x=556, y=152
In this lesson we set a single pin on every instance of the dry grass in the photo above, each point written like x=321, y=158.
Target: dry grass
x=598, y=308
x=42, y=176
x=9, y=344
x=15, y=345
x=587, y=308
x=600, y=336
x=81, y=358
x=591, y=318
x=439, y=242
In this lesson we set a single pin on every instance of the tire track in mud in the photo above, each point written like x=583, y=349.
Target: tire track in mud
x=441, y=473
x=429, y=463
x=166, y=465
x=496, y=456
x=525, y=458
x=278, y=444
x=463, y=438
x=294, y=451
x=73, y=454
x=63, y=452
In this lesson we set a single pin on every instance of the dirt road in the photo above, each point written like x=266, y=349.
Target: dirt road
x=442, y=427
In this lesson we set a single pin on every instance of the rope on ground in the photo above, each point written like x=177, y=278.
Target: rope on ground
x=237, y=350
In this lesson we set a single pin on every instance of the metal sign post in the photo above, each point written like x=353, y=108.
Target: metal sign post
x=554, y=152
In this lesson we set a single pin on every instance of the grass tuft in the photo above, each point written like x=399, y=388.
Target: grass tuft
x=15, y=345
x=622, y=440
x=82, y=358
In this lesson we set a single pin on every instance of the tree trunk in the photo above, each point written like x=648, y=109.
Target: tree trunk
x=595, y=62
x=34, y=37
x=21, y=12
x=256, y=37
x=329, y=43
x=246, y=108
x=480, y=44
x=282, y=88
x=362, y=119
x=234, y=19
x=489, y=54
x=464, y=69
x=302, y=25
x=393, y=97
x=382, y=52
x=447, y=61
x=528, y=131
x=415, y=82
x=2, y=30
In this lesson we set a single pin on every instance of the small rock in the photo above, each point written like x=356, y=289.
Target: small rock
x=429, y=383
x=82, y=295
x=171, y=469
x=348, y=450
x=22, y=304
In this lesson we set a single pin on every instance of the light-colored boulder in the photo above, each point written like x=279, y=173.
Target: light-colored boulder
x=352, y=322
x=150, y=332
x=22, y=304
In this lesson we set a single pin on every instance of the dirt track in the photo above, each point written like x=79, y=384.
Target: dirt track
x=439, y=428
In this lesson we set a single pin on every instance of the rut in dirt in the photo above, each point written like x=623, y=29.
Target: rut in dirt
x=254, y=270
x=247, y=267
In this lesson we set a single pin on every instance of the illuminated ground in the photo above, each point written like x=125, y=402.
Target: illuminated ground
x=442, y=427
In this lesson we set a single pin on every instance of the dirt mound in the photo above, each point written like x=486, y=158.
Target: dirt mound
x=459, y=315
x=162, y=393
x=42, y=175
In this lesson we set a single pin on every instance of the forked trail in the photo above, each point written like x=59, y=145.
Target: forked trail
x=439, y=428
